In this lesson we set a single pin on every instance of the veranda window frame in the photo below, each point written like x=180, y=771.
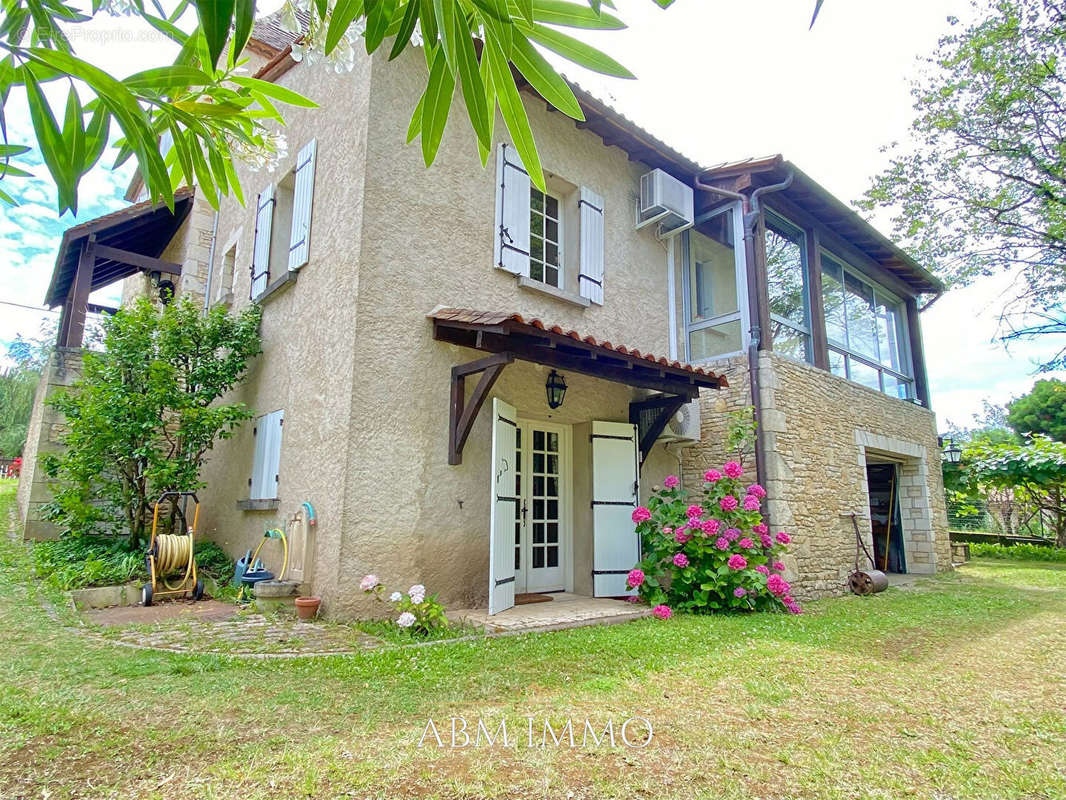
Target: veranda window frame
x=772, y=219
x=878, y=293
x=739, y=264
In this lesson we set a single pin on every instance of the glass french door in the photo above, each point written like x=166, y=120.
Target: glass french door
x=540, y=525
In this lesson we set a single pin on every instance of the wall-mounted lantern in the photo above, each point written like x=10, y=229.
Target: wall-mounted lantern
x=555, y=388
x=952, y=452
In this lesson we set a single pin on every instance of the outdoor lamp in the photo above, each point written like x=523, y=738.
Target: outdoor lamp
x=556, y=389
x=953, y=454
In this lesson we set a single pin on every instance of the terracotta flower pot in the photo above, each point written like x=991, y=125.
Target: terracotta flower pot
x=307, y=607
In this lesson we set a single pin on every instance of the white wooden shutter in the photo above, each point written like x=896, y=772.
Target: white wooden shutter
x=512, y=212
x=264, y=220
x=503, y=506
x=615, y=491
x=267, y=461
x=303, y=194
x=590, y=275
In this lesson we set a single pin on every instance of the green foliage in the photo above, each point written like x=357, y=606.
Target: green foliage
x=418, y=614
x=712, y=553
x=213, y=560
x=1017, y=552
x=982, y=187
x=74, y=562
x=211, y=113
x=740, y=431
x=1042, y=411
x=17, y=390
x=143, y=416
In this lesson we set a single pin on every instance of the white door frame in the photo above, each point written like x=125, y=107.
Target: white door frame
x=566, y=501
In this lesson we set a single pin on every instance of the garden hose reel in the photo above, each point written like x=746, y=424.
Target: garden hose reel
x=172, y=554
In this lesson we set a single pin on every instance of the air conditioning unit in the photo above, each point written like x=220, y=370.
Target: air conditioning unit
x=684, y=426
x=665, y=200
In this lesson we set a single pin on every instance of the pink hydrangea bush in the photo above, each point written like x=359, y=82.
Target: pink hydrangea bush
x=712, y=552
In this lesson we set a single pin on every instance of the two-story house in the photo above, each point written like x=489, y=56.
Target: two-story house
x=420, y=325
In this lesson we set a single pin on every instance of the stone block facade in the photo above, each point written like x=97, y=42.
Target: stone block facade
x=820, y=433
x=44, y=435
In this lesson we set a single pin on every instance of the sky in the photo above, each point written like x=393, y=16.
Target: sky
x=718, y=81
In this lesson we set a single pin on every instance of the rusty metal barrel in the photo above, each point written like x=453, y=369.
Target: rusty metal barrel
x=867, y=582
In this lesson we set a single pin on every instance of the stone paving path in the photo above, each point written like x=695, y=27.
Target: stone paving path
x=225, y=629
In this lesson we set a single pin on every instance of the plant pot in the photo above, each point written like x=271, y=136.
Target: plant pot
x=307, y=607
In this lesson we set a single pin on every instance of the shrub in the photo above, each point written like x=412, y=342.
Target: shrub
x=418, y=613
x=1018, y=552
x=213, y=561
x=75, y=562
x=710, y=554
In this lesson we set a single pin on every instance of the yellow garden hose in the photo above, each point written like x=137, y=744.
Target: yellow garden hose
x=274, y=533
x=173, y=554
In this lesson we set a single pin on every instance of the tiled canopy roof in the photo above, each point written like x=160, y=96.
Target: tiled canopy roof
x=513, y=322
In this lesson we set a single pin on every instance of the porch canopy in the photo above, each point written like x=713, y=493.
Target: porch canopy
x=107, y=249
x=509, y=337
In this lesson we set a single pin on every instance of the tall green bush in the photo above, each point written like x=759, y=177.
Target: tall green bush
x=145, y=413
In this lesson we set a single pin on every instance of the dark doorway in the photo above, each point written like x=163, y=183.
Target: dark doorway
x=885, y=517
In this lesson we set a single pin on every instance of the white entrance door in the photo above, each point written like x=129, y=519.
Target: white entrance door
x=615, y=493
x=503, y=508
x=542, y=525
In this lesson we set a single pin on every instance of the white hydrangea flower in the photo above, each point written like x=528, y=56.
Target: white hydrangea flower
x=406, y=619
x=417, y=593
x=395, y=597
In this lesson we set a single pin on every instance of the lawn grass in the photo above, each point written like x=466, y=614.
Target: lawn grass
x=953, y=689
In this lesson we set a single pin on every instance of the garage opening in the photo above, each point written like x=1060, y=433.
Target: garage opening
x=885, y=517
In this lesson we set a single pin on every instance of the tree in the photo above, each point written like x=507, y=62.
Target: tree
x=144, y=414
x=1043, y=410
x=211, y=113
x=982, y=188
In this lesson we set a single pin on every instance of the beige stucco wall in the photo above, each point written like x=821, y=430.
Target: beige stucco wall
x=820, y=431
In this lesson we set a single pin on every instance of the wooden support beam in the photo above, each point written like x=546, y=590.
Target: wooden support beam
x=72, y=321
x=914, y=333
x=819, y=342
x=461, y=414
x=665, y=406
x=137, y=260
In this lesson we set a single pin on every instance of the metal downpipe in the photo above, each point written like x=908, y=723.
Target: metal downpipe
x=751, y=210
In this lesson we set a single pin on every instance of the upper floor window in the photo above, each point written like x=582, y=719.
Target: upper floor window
x=554, y=237
x=866, y=330
x=545, y=239
x=715, y=288
x=787, y=286
x=283, y=223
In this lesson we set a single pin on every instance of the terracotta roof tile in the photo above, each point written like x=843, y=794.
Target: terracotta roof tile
x=470, y=316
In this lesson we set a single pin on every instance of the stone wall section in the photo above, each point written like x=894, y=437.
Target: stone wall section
x=46, y=428
x=820, y=432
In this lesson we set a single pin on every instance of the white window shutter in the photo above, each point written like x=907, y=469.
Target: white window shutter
x=303, y=194
x=273, y=455
x=512, y=212
x=590, y=274
x=267, y=462
x=255, y=485
x=264, y=220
